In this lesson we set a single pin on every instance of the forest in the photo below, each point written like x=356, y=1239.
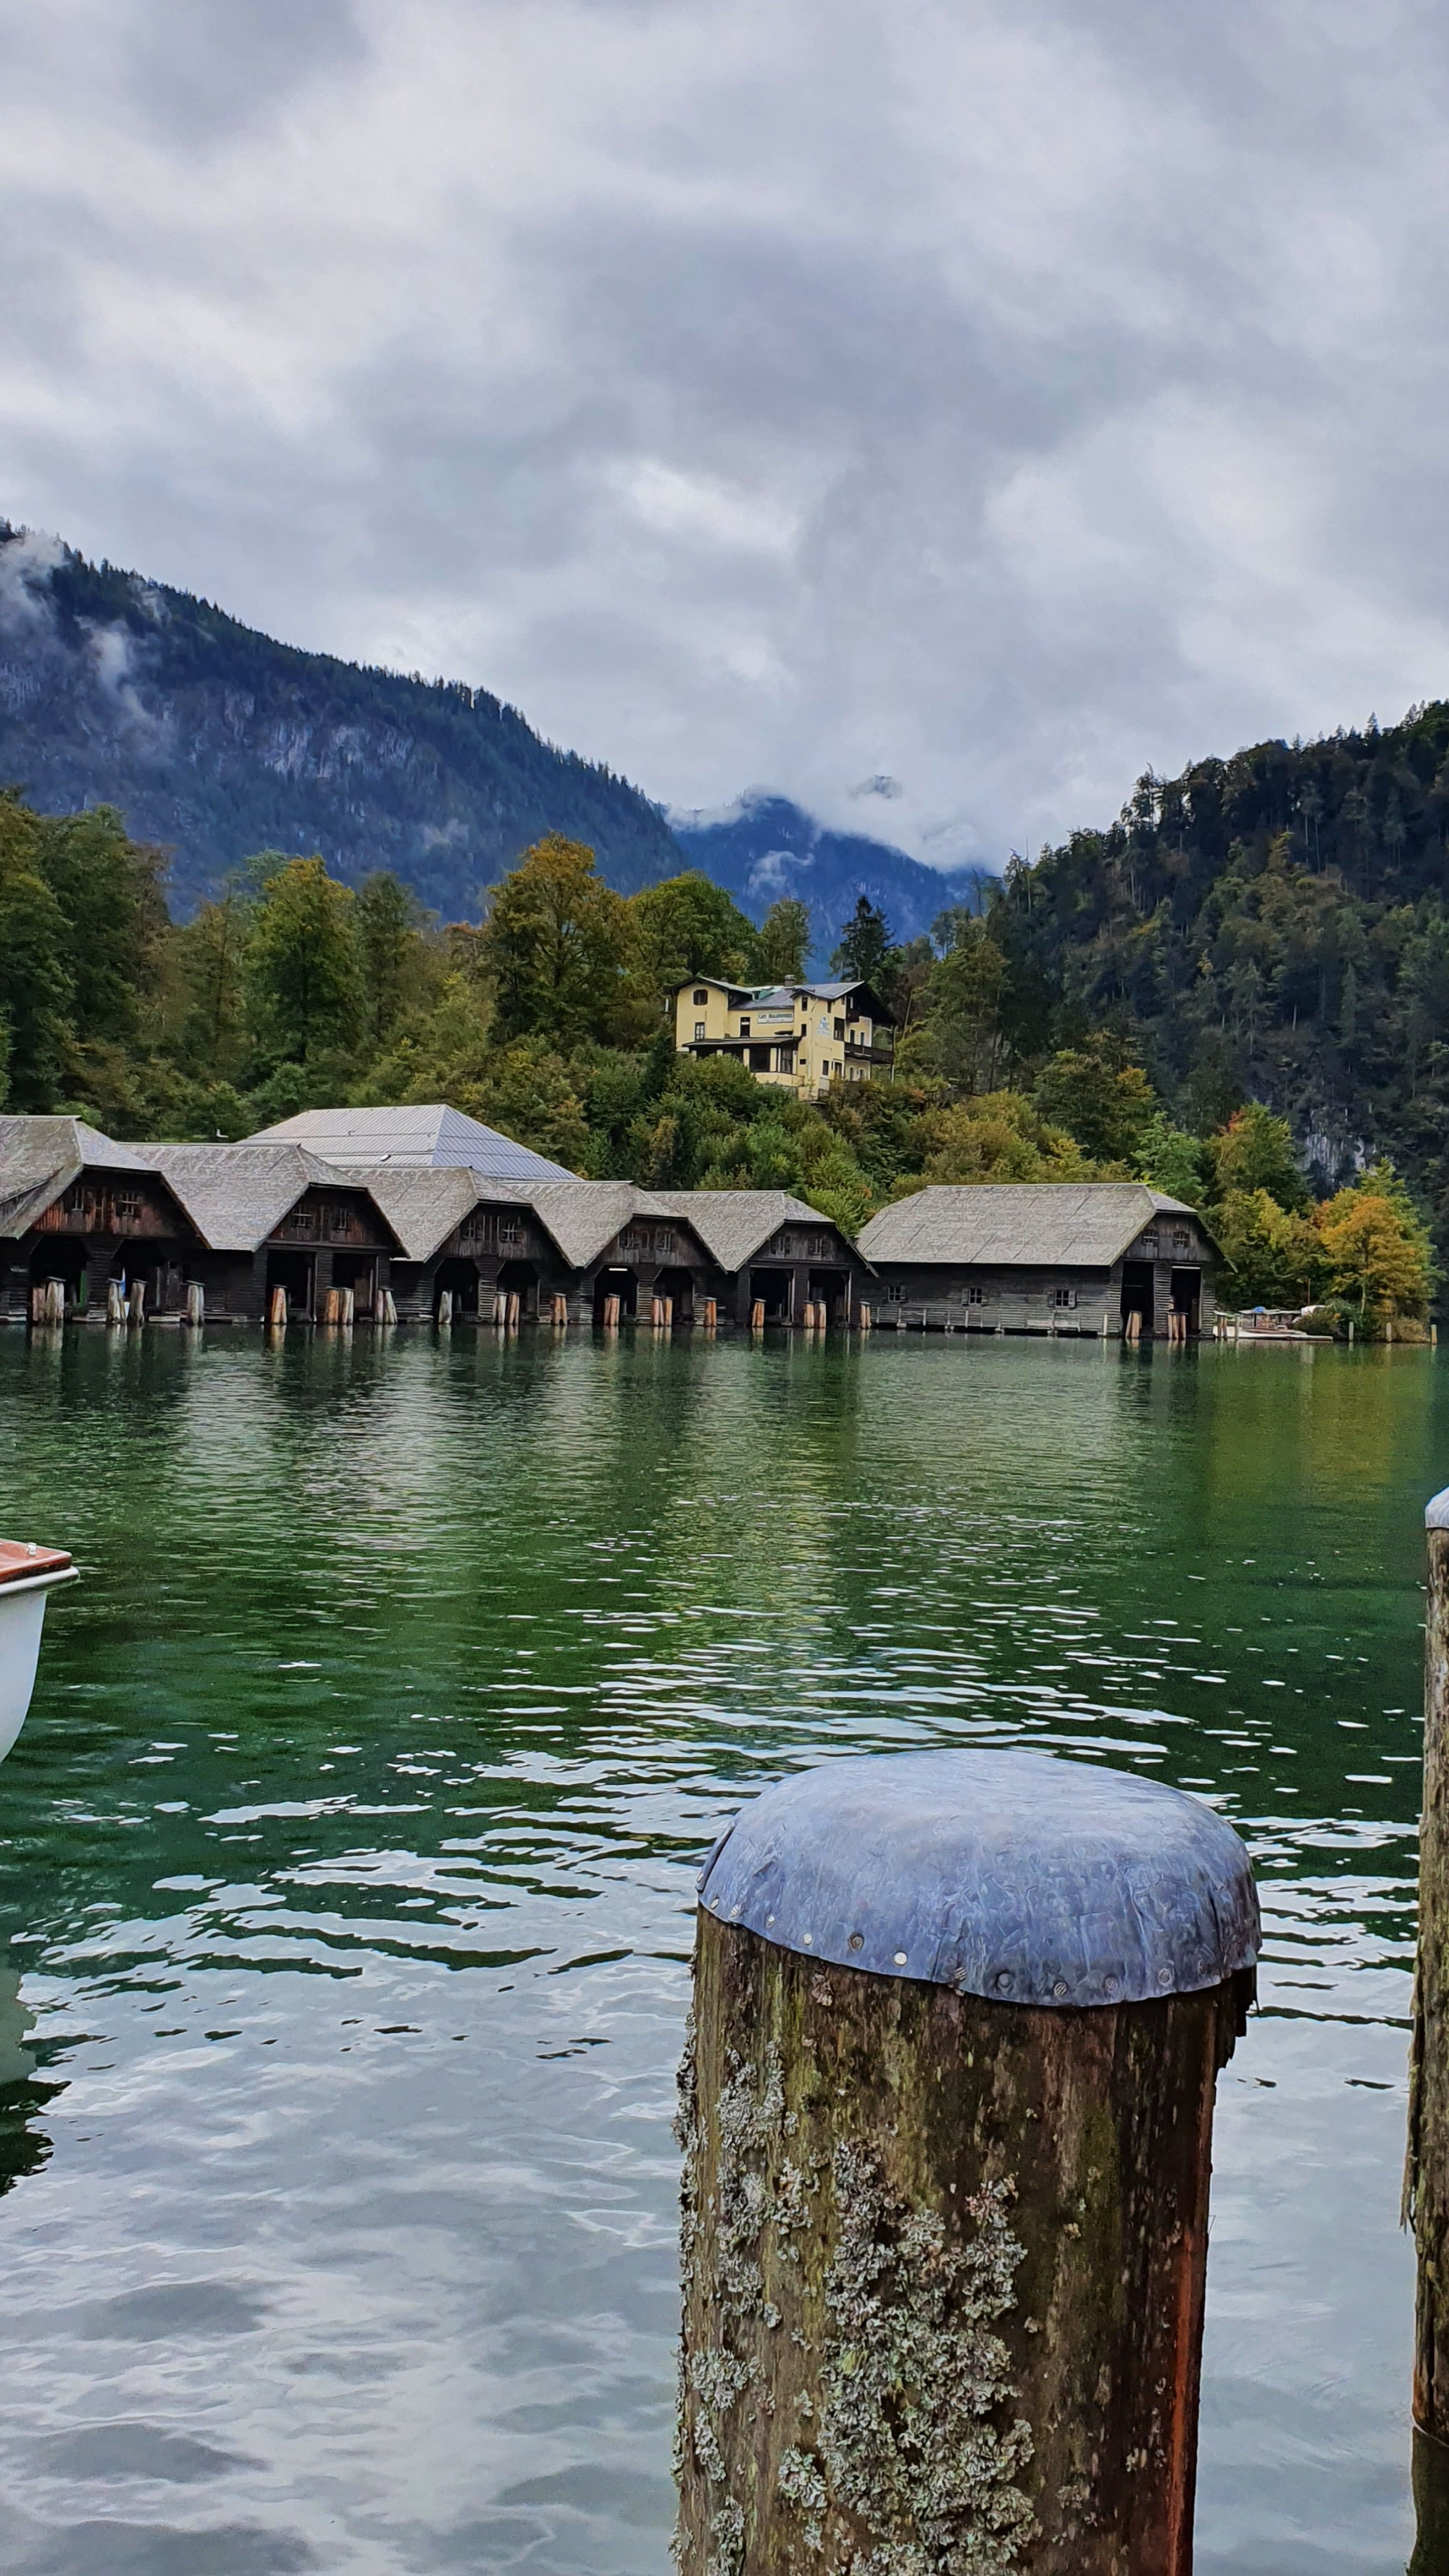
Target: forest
x=1132, y=1006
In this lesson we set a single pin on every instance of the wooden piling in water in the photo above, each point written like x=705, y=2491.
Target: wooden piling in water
x=560, y=1311
x=757, y=1316
x=1426, y=2168
x=709, y=1314
x=195, y=1304
x=611, y=1314
x=862, y=1318
x=115, y=1302
x=946, y=2115
x=445, y=1309
x=277, y=1311
x=136, y=1302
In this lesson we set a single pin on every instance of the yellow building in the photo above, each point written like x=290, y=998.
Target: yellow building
x=801, y=1037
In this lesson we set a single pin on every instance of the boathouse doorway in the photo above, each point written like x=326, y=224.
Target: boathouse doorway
x=1187, y=1300
x=618, y=1283
x=62, y=1257
x=520, y=1279
x=1137, y=1284
x=459, y=1280
x=357, y=1271
x=678, y=1284
x=828, y=1289
x=771, y=1289
x=297, y=1273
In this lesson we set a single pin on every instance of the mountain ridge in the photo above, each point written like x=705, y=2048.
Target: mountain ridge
x=215, y=740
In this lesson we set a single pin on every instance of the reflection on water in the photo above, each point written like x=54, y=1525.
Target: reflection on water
x=348, y=1858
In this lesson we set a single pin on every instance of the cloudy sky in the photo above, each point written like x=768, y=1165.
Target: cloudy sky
x=981, y=398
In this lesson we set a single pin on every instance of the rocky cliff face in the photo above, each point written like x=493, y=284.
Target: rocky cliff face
x=215, y=741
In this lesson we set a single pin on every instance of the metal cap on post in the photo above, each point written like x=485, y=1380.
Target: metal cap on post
x=947, y=2117
x=1001, y=1874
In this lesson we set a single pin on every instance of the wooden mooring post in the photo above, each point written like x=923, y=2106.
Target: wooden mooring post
x=195, y=1304
x=1426, y=2166
x=277, y=1311
x=946, y=2113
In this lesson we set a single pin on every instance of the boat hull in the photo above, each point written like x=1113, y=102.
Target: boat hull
x=22, y=1623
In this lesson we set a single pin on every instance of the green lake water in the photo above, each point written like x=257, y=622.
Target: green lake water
x=346, y=1883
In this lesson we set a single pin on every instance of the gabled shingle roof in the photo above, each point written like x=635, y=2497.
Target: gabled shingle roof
x=732, y=1224
x=40, y=1157
x=418, y=1136
x=423, y=1207
x=1035, y=1224
x=235, y=1195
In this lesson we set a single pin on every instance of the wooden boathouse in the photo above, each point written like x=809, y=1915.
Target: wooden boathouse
x=222, y=1229
x=1093, y=1258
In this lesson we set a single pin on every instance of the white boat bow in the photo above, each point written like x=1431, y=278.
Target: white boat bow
x=28, y=1575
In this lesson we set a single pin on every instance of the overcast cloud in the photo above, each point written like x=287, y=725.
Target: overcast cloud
x=988, y=399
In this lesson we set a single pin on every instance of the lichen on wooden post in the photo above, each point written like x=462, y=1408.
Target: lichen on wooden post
x=944, y=2250
x=1426, y=2172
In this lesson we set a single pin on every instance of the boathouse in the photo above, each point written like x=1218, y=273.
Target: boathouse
x=1093, y=1258
x=240, y=1222
x=567, y=1248
x=78, y=1211
x=265, y=1217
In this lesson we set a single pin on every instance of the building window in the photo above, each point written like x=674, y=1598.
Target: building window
x=128, y=1207
x=1149, y=1247
x=895, y=1294
x=745, y=1026
x=700, y=999
x=1181, y=1239
x=975, y=1296
x=509, y=1234
x=840, y=1030
x=1064, y=1296
x=699, y=1028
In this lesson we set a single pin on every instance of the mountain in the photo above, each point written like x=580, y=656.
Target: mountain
x=1272, y=926
x=216, y=741
x=765, y=847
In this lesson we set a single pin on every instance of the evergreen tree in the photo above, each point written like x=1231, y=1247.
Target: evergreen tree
x=865, y=945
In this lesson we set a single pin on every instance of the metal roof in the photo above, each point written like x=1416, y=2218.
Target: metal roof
x=415, y=1136
x=1034, y=1224
x=236, y=1195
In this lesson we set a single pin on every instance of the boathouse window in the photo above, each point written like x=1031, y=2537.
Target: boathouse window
x=895, y=1294
x=337, y=1218
x=1181, y=1239
x=700, y=999
x=302, y=1221
x=510, y=1233
x=975, y=1296
x=127, y=1206
x=1149, y=1247
x=1064, y=1296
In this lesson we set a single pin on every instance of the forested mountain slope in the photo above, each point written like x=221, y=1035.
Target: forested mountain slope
x=1273, y=926
x=215, y=741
